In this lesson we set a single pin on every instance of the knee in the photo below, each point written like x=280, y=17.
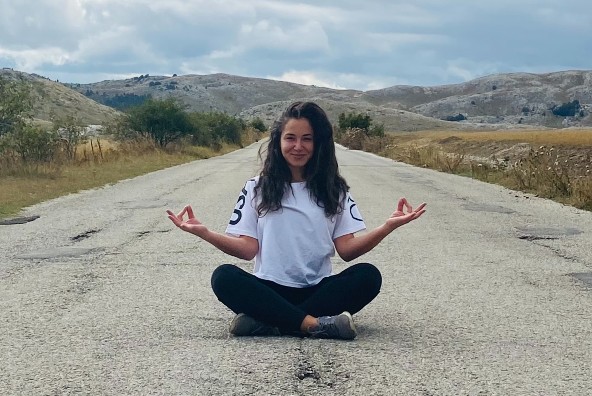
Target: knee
x=371, y=276
x=221, y=277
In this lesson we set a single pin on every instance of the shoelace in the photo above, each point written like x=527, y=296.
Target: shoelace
x=326, y=326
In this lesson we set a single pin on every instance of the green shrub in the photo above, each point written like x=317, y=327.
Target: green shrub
x=258, y=124
x=164, y=121
x=354, y=121
x=214, y=128
x=30, y=143
x=15, y=105
x=70, y=132
x=568, y=109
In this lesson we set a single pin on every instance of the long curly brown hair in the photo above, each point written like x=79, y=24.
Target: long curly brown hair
x=321, y=172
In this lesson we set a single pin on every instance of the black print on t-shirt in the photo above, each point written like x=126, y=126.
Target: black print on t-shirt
x=239, y=215
x=351, y=208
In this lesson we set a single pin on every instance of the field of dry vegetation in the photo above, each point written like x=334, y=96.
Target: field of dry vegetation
x=554, y=164
x=97, y=162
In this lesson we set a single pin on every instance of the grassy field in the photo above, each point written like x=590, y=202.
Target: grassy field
x=96, y=165
x=563, y=137
x=554, y=164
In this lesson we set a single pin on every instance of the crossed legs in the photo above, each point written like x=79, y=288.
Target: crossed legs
x=290, y=308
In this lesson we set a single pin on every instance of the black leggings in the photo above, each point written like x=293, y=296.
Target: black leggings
x=286, y=307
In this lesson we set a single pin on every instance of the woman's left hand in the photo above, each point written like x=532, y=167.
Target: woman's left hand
x=405, y=213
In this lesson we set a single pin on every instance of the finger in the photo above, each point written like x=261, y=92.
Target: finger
x=175, y=220
x=418, y=214
x=172, y=216
x=402, y=203
x=190, y=211
x=420, y=207
x=409, y=207
x=182, y=213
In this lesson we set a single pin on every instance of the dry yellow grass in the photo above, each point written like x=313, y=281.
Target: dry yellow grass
x=561, y=171
x=567, y=137
x=31, y=184
x=49, y=182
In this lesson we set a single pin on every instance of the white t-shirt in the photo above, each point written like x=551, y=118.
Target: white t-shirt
x=296, y=242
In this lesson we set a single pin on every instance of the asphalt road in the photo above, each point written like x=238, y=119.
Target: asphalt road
x=489, y=293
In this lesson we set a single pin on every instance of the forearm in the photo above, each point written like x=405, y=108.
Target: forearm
x=244, y=248
x=361, y=244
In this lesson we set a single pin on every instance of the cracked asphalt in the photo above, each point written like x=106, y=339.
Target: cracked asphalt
x=489, y=293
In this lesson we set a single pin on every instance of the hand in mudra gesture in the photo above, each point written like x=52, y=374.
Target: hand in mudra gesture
x=405, y=213
x=191, y=225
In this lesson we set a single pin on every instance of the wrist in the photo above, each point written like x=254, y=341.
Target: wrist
x=387, y=228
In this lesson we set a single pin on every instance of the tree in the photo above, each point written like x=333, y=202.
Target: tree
x=32, y=143
x=458, y=117
x=163, y=121
x=15, y=105
x=71, y=134
x=214, y=128
x=354, y=120
x=360, y=121
x=568, y=109
x=258, y=124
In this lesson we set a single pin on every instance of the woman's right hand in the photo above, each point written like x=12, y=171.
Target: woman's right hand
x=191, y=225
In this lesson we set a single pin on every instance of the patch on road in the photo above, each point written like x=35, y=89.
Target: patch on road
x=84, y=235
x=584, y=277
x=538, y=233
x=19, y=220
x=475, y=207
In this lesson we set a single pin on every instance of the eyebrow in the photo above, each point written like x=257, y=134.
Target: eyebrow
x=293, y=133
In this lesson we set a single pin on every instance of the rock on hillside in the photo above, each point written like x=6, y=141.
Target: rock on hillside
x=393, y=119
x=512, y=98
x=215, y=92
x=54, y=100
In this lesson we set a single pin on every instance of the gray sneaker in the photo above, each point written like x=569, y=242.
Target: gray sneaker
x=244, y=325
x=340, y=326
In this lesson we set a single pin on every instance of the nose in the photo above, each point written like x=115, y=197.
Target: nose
x=298, y=144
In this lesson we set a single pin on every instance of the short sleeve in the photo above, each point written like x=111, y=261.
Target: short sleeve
x=243, y=220
x=349, y=220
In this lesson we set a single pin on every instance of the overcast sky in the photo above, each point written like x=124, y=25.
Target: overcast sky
x=339, y=44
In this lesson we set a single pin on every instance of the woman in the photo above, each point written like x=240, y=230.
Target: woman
x=291, y=219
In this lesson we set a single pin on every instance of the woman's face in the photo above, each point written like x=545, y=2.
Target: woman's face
x=297, y=145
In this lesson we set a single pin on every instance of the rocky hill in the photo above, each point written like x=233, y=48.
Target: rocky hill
x=491, y=102
x=509, y=98
x=503, y=100
x=54, y=100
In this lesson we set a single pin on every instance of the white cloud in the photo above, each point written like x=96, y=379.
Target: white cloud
x=464, y=69
x=195, y=67
x=305, y=78
x=29, y=59
x=309, y=36
x=345, y=44
x=337, y=80
x=387, y=42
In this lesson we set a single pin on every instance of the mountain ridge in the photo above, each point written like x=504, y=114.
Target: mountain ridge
x=52, y=100
x=510, y=100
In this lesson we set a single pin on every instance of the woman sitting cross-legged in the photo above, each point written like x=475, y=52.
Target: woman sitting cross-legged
x=292, y=218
